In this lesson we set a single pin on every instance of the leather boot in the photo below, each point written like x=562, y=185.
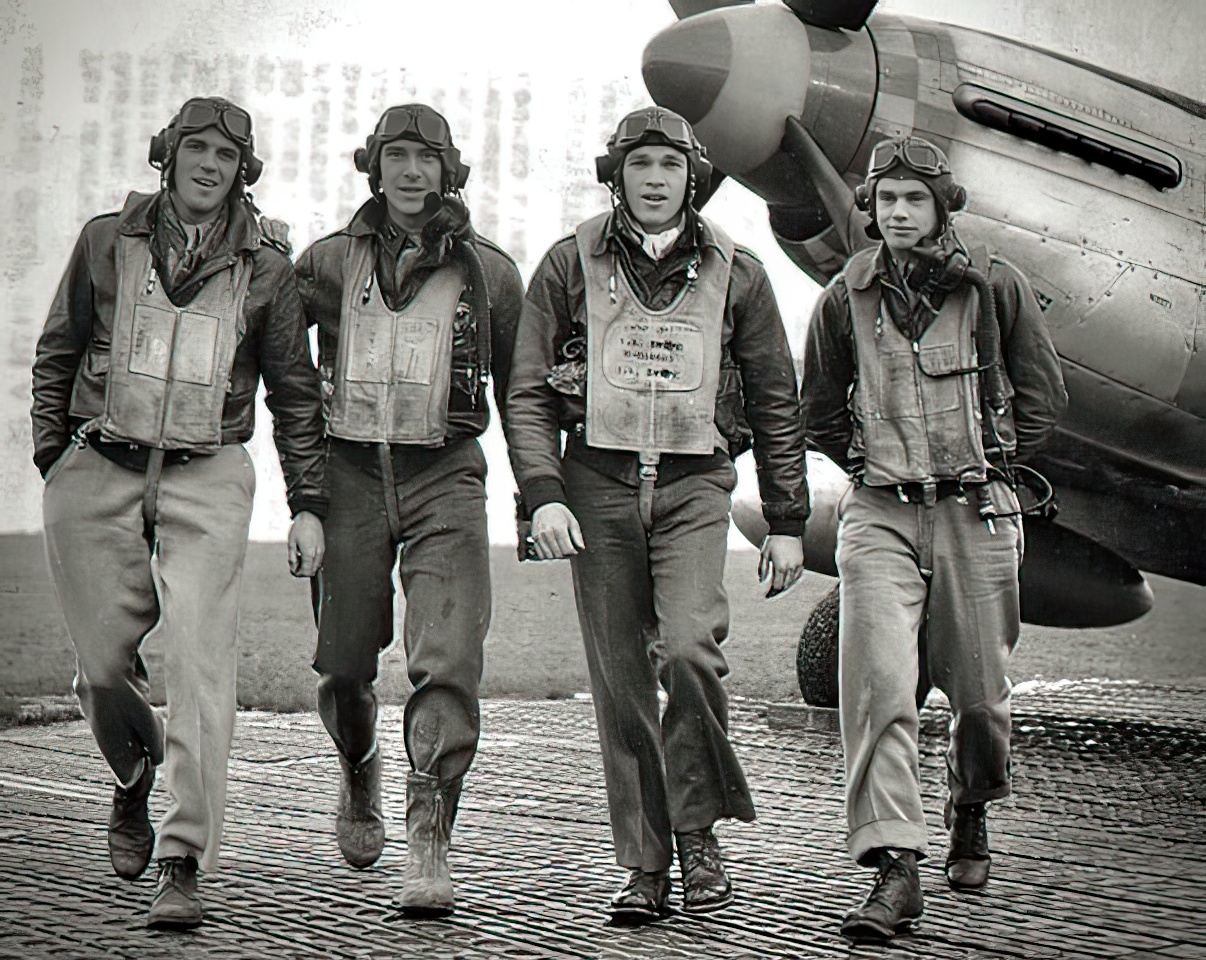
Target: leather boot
x=359, y=824
x=131, y=836
x=968, y=859
x=706, y=886
x=894, y=902
x=177, y=905
x=430, y=812
x=642, y=897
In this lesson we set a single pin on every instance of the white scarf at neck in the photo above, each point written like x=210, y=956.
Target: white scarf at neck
x=656, y=244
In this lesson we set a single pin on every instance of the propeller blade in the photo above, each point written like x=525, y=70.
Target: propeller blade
x=831, y=14
x=689, y=8
x=836, y=196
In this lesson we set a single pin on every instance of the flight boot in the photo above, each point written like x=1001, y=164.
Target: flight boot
x=894, y=903
x=706, y=886
x=968, y=859
x=177, y=905
x=430, y=813
x=642, y=897
x=359, y=824
x=131, y=836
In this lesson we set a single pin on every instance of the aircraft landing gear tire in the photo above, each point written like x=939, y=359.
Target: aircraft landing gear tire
x=817, y=656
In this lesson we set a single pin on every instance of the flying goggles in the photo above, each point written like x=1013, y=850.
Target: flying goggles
x=634, y=128
x=914, y=153
x=203, y=112
x=427, y=125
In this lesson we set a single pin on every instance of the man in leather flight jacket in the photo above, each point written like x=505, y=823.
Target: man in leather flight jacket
x=656, y=345
x=144, y=390
x=929, y=372
x=415, y=312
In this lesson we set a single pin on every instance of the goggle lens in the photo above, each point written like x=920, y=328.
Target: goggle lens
x=234, y=121
x=915, y=154
x=429, y=126
x=674, y=129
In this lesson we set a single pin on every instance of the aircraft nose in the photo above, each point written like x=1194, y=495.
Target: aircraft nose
x=735, y=74
x=686, y=66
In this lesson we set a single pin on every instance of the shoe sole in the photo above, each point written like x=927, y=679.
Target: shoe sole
x=426, y=913
x=957, y=885
x=636, y=917
x=127, y=855
x=130, y=874
x=866, y=932
x=179, y=922
x=710, y=906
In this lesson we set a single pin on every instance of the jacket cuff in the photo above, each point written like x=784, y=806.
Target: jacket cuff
x=542, y=490
x=315, y=505
x=786, y=528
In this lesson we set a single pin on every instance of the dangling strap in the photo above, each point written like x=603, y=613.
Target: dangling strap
x=150, y=492
x=390, y=490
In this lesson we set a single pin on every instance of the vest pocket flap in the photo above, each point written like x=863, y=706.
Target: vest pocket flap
x=415, y=343
x=196, y=348
x=151, y=341
x=98, y=362
x=940, y=359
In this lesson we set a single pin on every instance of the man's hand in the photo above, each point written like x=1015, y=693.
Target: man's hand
x=782, y=560
x=555, y=532
x=306, y=545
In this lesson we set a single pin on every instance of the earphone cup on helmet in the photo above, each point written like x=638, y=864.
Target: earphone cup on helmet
x=252, y=169
x=458, y=175
x=862, y=197
x=956, y=198
x=703, y=170
x=605, y=168
x=361, y=159
x=157, y=153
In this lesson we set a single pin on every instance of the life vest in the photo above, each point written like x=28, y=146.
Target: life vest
x=393, y=369
x=652, y=375
x=170, y=370
x=915, y=418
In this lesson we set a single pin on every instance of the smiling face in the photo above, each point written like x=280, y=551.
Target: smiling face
x=655, y=185
x=905, y=212
x=204, y=170
x=409, y=171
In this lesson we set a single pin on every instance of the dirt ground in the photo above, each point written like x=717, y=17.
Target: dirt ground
x=534, y=649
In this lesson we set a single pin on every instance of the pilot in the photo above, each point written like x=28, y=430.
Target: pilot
x=656, y=346
x=144, y=387
x=414, y=311
x=928, y=400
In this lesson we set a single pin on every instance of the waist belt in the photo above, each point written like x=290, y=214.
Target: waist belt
x=134, y=456
x=921, y=492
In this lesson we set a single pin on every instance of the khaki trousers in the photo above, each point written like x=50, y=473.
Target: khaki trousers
x=115, y=591
x=902, y=564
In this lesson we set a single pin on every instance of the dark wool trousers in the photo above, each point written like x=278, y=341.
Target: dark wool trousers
x=653, y=610
x=444, y=568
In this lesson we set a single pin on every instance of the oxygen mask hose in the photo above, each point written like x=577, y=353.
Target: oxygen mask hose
x=950, y=266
